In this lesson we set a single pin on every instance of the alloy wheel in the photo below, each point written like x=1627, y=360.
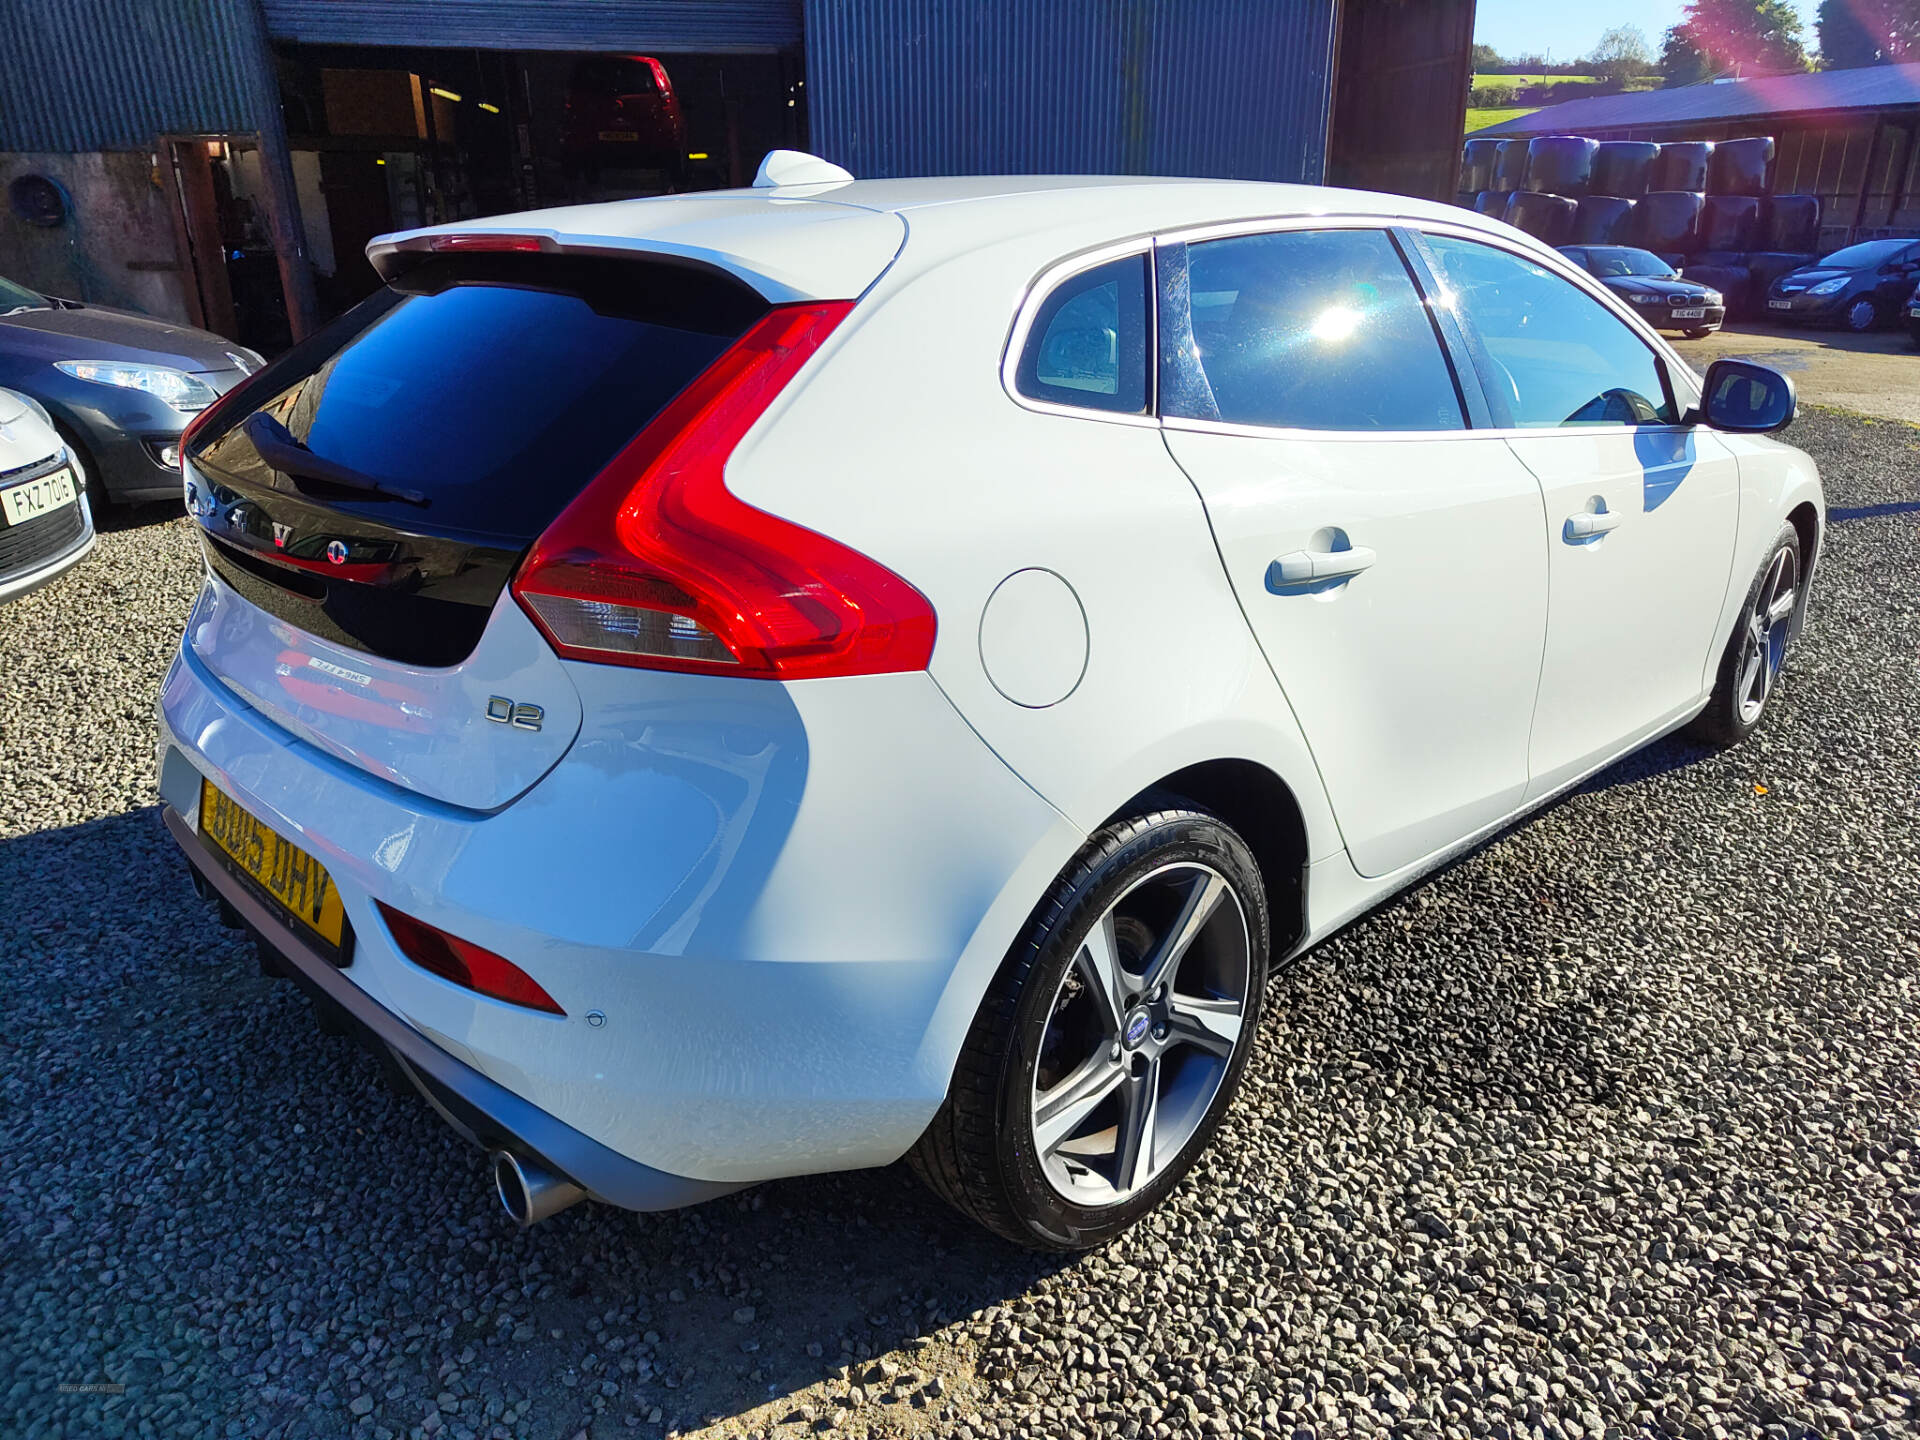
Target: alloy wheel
x=1141, y=1034
x=1765, y=648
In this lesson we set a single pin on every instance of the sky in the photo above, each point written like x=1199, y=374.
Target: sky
x=1516, y=27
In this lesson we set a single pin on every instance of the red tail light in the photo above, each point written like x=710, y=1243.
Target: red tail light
x=657, y=564
x=465, y=963
x=467, y=241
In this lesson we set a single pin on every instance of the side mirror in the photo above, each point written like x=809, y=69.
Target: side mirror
x=1747, y=399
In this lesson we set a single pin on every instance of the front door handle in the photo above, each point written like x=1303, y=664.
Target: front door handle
x=1305, y=567
x=1588, y=525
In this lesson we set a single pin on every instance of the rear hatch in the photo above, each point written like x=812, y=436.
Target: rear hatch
x=372, y=492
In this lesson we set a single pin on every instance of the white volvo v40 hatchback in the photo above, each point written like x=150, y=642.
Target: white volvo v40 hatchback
x=740, y=685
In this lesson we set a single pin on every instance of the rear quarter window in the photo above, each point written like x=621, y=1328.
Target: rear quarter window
x=1087, y=345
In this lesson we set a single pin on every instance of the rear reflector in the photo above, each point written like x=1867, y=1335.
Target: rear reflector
x=657, y=564
x=465, y=963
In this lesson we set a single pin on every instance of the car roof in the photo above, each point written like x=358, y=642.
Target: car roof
x=829, y=240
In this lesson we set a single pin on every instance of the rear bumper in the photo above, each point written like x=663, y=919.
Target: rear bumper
x=487, y=1113
x=768, y=911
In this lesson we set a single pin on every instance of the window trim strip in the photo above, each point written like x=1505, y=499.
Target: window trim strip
x=1684, y=384
x=1486, y=408
x=1031, y=303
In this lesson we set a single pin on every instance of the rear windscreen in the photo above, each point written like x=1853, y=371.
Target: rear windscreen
x=496, y=386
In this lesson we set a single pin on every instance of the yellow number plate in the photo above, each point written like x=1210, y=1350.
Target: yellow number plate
x=295, y=881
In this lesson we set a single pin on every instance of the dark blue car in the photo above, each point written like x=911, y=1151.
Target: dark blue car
x=1860, y=287
x=119, y=386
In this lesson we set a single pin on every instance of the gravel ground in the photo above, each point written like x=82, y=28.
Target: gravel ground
x=1608, y=1129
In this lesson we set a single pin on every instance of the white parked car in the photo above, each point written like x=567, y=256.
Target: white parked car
x=741, y=685
x=45, y=526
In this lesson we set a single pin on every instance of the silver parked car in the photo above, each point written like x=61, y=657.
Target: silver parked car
x=45, y=526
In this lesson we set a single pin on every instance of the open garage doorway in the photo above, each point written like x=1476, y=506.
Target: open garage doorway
x=387, y=138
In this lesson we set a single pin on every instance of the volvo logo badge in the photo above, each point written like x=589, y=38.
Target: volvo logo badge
x=337, y=552
x=1137, y=1028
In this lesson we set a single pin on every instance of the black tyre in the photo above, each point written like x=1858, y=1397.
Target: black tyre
x=1112, y=1040
x=1697, y=334
x=1750, y=668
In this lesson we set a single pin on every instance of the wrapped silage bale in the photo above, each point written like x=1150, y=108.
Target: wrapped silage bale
x=1623, y=168
x=1668, y=221
x=1740, y=167
x=1767, y=266
x=1734, y=282
x=1491, y=202
x=1560, y=164
x=1682, y=166
x=1476, y=164
x=1510, y=166
x=1603, y=220
x=1547, y=217
x=1730, y=222
x=1791, y=223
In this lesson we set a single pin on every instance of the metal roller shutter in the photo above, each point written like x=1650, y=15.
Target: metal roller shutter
x=655, y=26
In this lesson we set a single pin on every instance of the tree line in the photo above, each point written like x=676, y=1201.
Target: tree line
x=1722, y=37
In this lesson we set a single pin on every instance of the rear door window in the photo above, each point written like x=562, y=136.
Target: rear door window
x=1316, y=330
x=497, y=386
x=1087, y=346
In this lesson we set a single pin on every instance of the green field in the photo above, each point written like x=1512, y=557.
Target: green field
x=1480, y=119
x=1536, y=79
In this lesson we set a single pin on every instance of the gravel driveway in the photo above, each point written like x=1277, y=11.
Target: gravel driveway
x=1608, y=1129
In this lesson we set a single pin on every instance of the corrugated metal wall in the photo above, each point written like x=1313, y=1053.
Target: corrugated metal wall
x=83, y=75
x=1240, y=90
x=657, y=25
x=1233, y=88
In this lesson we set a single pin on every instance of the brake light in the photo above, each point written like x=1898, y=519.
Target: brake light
x=469, y=242
x=657, y=564
x=464, y=963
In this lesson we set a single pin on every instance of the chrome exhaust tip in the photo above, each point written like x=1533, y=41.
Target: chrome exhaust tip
x=528, y=1191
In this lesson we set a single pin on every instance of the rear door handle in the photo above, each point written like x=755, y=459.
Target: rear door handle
x=1304, y=567
x=1588, y=525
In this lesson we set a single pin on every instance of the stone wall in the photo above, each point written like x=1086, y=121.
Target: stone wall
x=116, y=231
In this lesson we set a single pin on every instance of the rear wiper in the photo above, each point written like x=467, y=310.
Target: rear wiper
x=276, y=446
